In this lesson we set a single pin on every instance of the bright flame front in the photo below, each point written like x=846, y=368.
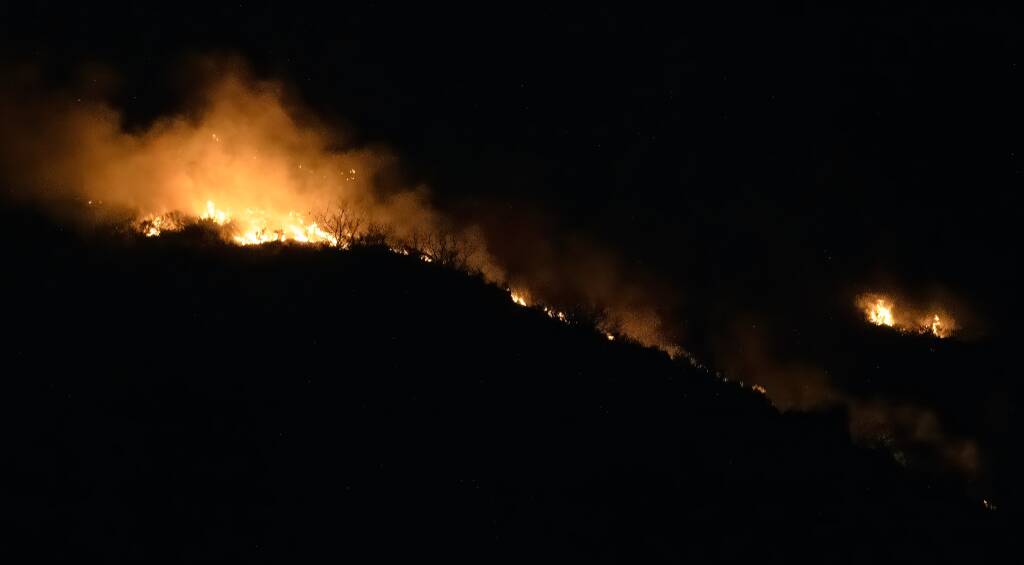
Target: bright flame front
x=255, y=226
x=880, y=313
x=881, y=310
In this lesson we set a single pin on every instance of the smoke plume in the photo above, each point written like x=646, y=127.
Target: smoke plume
x=244, y=153
x=244, y=150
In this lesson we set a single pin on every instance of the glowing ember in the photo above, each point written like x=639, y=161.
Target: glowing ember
x=519, y=297
x=556, y=314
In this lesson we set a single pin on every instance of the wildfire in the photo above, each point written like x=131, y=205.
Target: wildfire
x=255, y=226
x=152, y=227
x=881, y=310
x=937, y=327
x=220, y=217
x=518, y=297
x=242, y=160
x=556, y=314
x=880, y=313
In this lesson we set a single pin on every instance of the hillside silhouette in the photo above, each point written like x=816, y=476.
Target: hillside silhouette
x=180, y=399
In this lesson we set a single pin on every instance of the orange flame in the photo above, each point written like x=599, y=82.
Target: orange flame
x=243, y=160
x=519, y=297
x=880, y=313
x=881, y=310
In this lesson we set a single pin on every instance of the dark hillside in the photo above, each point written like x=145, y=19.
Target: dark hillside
x=176, y=399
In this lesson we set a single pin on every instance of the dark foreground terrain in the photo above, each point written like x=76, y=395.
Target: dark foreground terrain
x=176, y=400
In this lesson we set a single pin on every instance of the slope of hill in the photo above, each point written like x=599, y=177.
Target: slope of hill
x=178, y=399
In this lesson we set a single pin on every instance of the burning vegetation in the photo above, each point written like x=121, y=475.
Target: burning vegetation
x=883, y=310
x=247, y=163
x=243, y=164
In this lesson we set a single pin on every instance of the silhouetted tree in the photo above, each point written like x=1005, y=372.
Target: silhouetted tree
x=446, y=248
x=375, y=235
x=342, y=223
